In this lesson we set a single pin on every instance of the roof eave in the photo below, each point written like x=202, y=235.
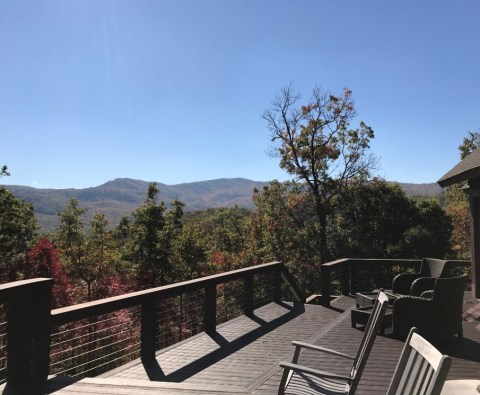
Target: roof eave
x=457, y=178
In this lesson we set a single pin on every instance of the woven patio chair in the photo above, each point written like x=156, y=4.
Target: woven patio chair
x=299, y=379
x=437, y=316
x=416, y=283
x=421, y=369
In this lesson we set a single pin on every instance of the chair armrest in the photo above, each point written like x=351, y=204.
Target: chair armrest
x=322, y=349
x=427, y=294
x=402, y=282
x=315, y=372
x=421, y=285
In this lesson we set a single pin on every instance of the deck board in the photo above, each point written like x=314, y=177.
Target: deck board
x=243, y=357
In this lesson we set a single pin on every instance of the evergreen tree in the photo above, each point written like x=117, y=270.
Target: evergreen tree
x=148, y=249
x=18, y=232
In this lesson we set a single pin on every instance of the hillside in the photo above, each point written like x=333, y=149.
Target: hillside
x=122, y=196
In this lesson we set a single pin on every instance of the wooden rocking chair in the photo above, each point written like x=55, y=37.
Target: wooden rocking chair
x=299, y=379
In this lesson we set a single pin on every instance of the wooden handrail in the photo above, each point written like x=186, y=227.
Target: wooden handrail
x=146, y=299
x=9, y=291
x=76, y=312
x=30, y=318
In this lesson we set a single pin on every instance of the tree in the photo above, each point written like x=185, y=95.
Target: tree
x=316, y=145
x=430, y=231
x=98, y=266
x=69, y=239
x=370, y=221
x=378, y=220
x=18, y=231
x=469, y=144
x=42, y=261
x=283, y=228
x=4, y=171
x=189, y=254
x=229, y=230
x=70, y=235
x=147, y=242
x=121, y=238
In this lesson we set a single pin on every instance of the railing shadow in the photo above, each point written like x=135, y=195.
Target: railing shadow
x=226, y=348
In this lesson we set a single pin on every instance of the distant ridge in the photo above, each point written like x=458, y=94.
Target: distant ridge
x=121, y=196
x=429, y=189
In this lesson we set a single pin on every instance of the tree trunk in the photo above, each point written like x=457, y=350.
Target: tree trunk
x=322, y=232
x=322, y=237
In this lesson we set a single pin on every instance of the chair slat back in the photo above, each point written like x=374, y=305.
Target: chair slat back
x=421, y=370
x=369, y=335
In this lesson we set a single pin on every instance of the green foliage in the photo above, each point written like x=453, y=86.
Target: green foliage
x=370, y=221
x=148, y=239
x=4, y=171
x=18, y=228
x=284, y=228
x=70, y=236
x=91, y=256
x=469, y=144
x=378, y=220
x=100, y=258
x=430, y=232
x=229, y=230
x=162, y=249
x=189, y=254
x=225, y=234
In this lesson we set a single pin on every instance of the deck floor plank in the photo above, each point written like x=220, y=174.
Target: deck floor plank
x=243, y=356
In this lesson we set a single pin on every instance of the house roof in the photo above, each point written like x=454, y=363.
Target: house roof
x=467, y=169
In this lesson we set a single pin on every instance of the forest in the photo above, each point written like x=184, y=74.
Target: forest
x=161, y=246
x=332, y=208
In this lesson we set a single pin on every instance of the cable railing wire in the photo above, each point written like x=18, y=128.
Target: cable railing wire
x=86, y=343
x=3, y=344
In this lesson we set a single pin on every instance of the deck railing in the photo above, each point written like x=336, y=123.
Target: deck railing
x=350, y=275
x=25, y=342
x=92, y=337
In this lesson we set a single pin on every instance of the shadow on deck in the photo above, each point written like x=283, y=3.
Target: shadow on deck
x=243, y=355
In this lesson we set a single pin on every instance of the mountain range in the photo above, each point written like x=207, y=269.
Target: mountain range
x=122, y=196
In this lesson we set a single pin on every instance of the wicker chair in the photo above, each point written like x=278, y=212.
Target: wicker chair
x=437, y=317
x=416, y=283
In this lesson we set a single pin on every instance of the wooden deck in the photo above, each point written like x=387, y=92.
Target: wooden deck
x=242, y=358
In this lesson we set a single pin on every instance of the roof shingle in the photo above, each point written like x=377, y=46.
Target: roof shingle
x=467, y=169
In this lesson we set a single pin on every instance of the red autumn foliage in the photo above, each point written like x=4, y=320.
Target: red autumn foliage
x=42, y=261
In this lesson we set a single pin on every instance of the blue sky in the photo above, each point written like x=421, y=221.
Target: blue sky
x=173, y=91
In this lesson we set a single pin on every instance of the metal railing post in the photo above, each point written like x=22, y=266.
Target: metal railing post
x=28, y=336
x=210, y=320
x=248, y=295
x=326, y=291
x=277, y=292
x=148, y=331
x=353, y=278
x=346, y=278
